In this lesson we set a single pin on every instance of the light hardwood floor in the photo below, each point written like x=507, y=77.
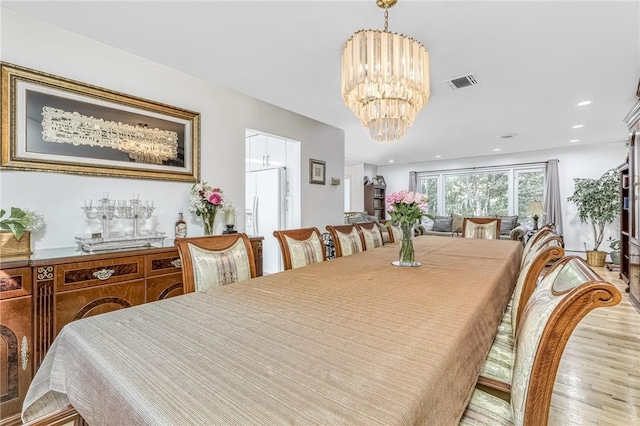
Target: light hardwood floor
x=598, y=381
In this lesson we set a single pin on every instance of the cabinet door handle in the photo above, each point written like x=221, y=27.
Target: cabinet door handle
x=177, y=263
x=268, y=160
x=263, y=161
x=24, y=352
x=103, y=274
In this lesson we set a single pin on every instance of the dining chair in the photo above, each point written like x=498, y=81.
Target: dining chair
x=487, y=228
x=301, y=247
x=347, y=239
x=395, y=233
x=564, y=296
x=213, y=261
x=371, y=234
x=496, y=371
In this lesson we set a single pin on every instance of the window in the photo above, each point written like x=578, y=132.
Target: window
x=429, y=187
x=490, y=191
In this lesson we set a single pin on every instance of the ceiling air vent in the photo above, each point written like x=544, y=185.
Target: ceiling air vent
x=508, y=136
x=460, y=82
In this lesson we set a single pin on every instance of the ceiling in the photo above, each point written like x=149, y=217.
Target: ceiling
x=534, y=62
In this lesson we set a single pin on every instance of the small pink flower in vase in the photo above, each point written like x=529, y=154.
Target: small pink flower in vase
x=409, y=198
x=215, y=198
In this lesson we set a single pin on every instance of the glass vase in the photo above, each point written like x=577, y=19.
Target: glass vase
x=407, y=253
x=208, y=219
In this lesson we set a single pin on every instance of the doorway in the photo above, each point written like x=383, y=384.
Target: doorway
x=272, y=191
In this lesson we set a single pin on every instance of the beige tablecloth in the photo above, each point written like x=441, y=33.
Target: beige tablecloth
x=352, y=341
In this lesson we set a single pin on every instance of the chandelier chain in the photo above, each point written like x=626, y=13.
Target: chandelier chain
x=386, y=19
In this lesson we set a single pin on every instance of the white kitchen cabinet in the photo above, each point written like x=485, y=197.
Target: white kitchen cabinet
x=265, y=152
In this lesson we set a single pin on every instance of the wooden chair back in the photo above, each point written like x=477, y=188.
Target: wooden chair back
x=371, y=234
x=395, y=233
x=347, y=239
x=212, y=261
x=301, y=247
x=565, y=295
x=532, y=240
x=548, y=249
x=481, y=227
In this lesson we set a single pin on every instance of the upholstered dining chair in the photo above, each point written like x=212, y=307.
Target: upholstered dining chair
x=487, y=228
x=301, y=247
x=371, y=234
x=213, y=261
x=564, y=296
x=496, y=371
x=347, y=239
x=395, y=233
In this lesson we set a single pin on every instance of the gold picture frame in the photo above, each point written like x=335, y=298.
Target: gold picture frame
x=54, y=124
x=317, y=172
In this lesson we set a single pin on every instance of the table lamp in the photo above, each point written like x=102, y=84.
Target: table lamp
x=535, y=210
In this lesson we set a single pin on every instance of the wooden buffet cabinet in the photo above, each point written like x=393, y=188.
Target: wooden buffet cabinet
x=630, y=200
x=53, y=287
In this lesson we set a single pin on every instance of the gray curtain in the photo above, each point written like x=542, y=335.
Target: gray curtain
x=413, y=181
x=552, y=199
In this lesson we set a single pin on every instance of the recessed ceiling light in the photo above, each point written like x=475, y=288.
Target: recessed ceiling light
x=438, y=156
x=574, y=141
x=496, y=150
x=391, y=161
x=584, y=103
x=578, y=126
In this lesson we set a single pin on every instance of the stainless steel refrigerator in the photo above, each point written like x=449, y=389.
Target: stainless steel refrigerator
x=265, y=203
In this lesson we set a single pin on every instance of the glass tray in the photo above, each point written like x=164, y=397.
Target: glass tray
x=90, y=245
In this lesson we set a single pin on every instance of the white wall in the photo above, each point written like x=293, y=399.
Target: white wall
x=588, y=161
x=224, y=117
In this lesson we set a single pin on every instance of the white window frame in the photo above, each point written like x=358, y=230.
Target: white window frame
x=513, y=171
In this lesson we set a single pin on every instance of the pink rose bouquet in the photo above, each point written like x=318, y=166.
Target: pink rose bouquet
x=406, y=207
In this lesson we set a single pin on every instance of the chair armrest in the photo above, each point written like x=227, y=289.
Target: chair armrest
x=518, y=233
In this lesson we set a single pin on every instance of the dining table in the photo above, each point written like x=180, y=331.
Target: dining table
x=349, y=341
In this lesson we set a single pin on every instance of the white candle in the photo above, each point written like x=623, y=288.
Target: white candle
x=230, y=217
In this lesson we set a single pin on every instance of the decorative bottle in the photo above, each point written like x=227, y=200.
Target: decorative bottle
x=181, y=227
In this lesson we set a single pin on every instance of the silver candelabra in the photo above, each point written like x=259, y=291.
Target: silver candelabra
x=106, y=209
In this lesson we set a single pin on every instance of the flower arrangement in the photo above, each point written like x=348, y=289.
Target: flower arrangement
x=406, y=208
x=20, y=221
x=206, y=201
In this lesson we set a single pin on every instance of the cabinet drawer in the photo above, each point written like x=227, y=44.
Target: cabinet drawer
x=74, y=305
x=73, y=276
x=15, y=282
x=162, y=263
x=164, y=286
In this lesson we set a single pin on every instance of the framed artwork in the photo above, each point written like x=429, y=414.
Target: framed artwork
x=53, y=124
x=317, y=170
x=379, y=180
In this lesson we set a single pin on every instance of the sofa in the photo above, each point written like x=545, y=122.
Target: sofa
x=445, y=226
x=451, y=226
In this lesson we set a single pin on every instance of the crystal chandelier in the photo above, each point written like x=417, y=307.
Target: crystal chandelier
x=385, y=79
x=140, y=142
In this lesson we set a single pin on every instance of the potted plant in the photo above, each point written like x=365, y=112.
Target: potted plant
x=598, y=202
x=15, y=231
x=614, y=245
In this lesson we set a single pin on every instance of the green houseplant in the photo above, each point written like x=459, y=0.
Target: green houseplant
x=598, y=202
x=15, y=231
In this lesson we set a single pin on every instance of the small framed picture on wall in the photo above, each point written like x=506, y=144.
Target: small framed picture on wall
x=317, y=172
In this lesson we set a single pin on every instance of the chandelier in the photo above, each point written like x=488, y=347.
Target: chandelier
x=140, y=142
x=385, y=79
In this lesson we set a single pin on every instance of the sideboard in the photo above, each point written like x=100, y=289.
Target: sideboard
x=52, y=287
